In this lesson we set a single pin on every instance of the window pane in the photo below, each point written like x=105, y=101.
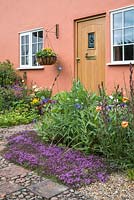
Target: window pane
x=117, y=20
x=40, y=36
x=40, y=46
x=117, y=37
x=27, y=39
x=34, y=48
x=23, y=50
x=129, y=52
x=91, y=41
x=22, y=60
x=34, y=63
x=117, y=53
x=22, y=39
x=27, y=60
x=129, y=18
x=129, y=35
x=34, y=37
x=27, y=49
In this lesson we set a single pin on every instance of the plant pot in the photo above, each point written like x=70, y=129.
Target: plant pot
x=48, y=60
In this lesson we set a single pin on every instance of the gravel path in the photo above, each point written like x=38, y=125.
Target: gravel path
x=118, y=187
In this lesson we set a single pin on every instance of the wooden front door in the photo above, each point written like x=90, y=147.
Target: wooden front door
x=90, y=55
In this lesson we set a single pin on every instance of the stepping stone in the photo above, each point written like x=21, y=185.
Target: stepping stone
x=47, y=188
x=7, y=188
x=12, y=171
x=2, y=147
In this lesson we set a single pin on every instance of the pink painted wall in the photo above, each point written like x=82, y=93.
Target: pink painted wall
x=22, y=15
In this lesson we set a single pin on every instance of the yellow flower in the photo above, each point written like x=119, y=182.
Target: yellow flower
x=35, y=100
x=124, y=124
x=98, y=108
x=125, y=99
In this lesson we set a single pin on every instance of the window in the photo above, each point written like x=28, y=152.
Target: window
x=122, y=35
x=30, y=43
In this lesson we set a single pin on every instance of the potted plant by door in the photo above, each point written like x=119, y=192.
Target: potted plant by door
x=46, y=56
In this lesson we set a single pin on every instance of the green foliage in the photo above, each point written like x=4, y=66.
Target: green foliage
x=21, y=113
x=72, y=120
x=116, y=129
x=6, y=98
x=130, y=174
x=8, y=75
x=94, y=124
x=43, y=93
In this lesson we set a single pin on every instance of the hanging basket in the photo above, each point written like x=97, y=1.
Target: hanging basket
x=48, y=60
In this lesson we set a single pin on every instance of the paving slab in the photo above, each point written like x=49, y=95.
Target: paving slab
x=2, y=147
x=7, y=188
x=47, y=188
x=12, y=171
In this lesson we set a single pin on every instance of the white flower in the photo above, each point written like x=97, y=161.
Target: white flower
x=111, y=97
x=36, y=89
x=34, y=86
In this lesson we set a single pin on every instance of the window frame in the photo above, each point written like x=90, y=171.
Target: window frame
x=29, y=33
x=121, y=10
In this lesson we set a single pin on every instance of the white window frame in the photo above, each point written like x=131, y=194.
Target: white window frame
x=29, y=33
x=123, y=62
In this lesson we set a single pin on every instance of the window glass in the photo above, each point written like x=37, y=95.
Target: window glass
x=34, y=48
x=40, y=36
x=117, y=52
x=23, y=40
x=27, y=60
x=117, y=20
x=34, y=37
x=117, y=37
x=129, y=52
x=27, y=49
x=23, y=50
x=91, y=40
x=40, y=46
x=128, y=35
x=129, y=18
x=34, y=63
x=27, y=39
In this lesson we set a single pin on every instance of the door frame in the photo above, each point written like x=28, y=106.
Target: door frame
x=76, y=38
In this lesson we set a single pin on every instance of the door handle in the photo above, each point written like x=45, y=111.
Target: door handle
x=90, y=57
x=78, y=59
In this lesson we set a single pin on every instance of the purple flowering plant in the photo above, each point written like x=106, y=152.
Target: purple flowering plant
x=71, y=167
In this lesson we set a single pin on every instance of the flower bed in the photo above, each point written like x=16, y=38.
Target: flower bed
x=71, y=167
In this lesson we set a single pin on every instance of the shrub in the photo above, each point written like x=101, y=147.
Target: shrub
x=6, y=98
x=8, y=75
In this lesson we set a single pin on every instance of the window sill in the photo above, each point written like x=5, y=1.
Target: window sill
x=30, y=68
x=120, y=63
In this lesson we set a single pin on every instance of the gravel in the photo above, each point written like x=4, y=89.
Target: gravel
x=118, y=187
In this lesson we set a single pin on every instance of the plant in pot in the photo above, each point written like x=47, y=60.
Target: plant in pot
x=46, y=56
